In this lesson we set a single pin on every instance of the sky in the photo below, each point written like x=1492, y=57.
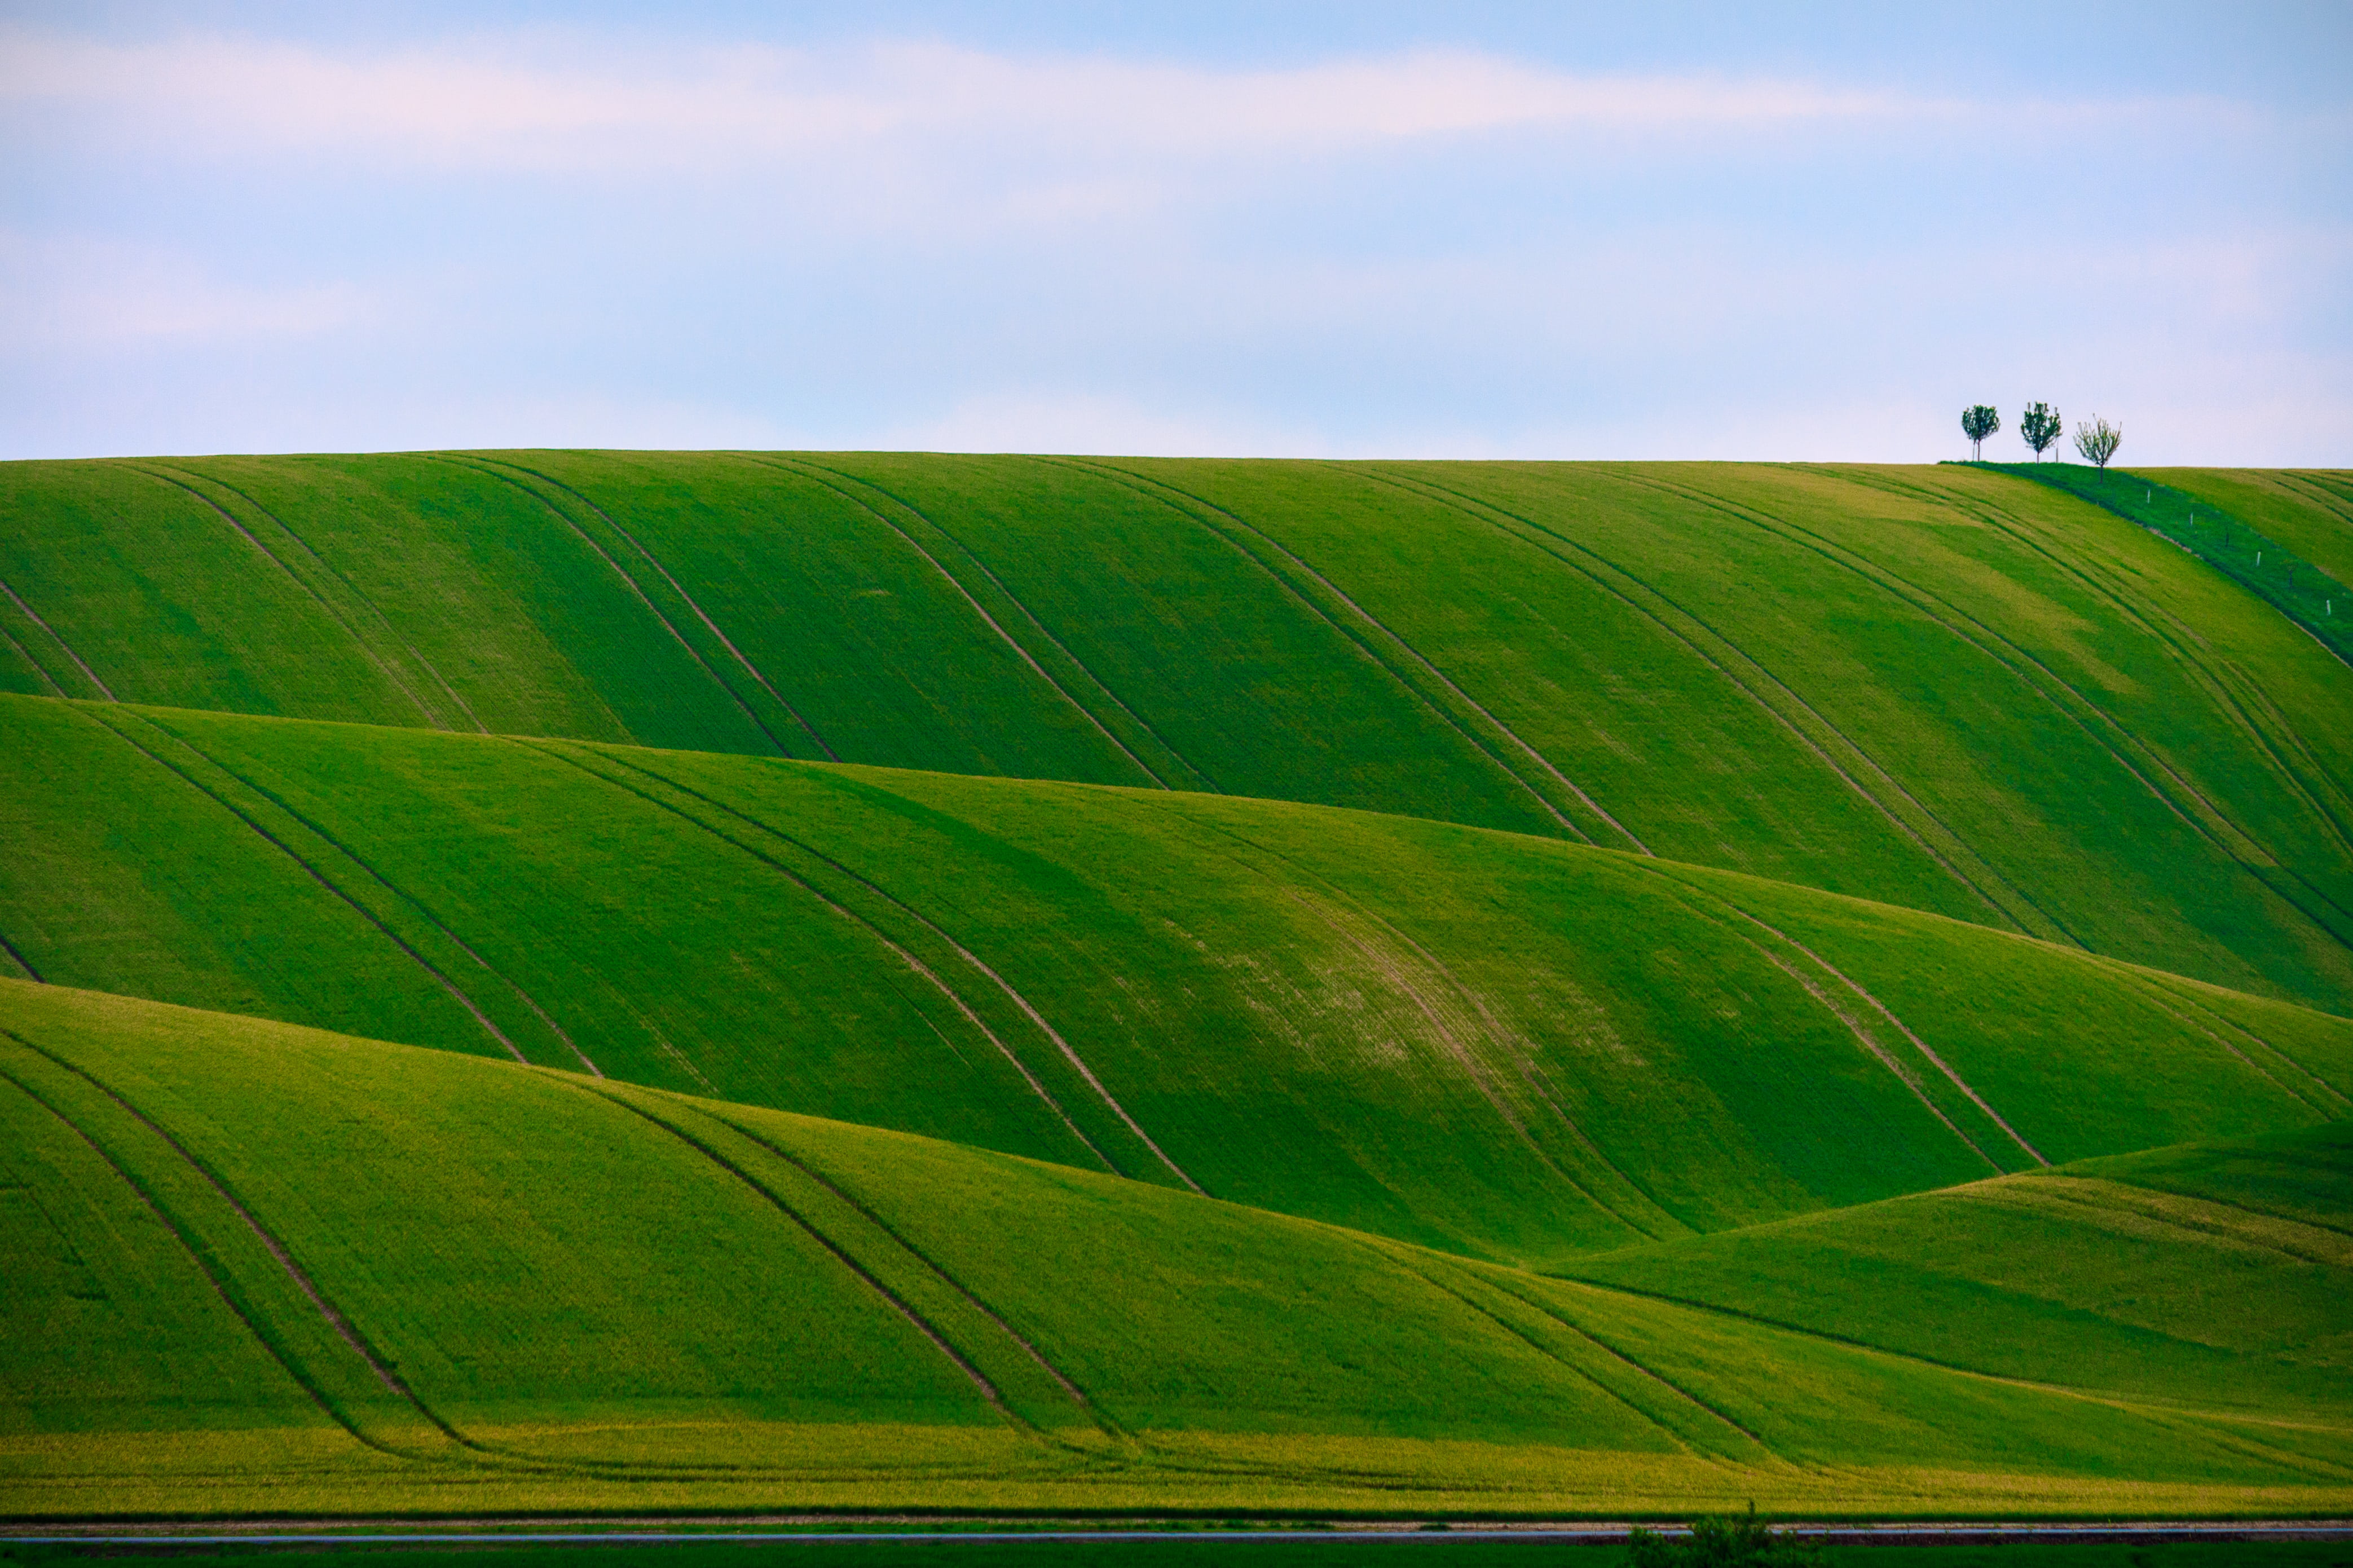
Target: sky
x=1362, y=229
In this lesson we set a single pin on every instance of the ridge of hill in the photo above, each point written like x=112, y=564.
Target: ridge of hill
x=1492, y=1043
x=2212, y=531
x=261, y=1268
x=1940, y=688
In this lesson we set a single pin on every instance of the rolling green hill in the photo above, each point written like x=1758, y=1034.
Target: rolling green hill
x=1505, y=1045
x=550, y=980
x=277, y=1268
x=1938, y=688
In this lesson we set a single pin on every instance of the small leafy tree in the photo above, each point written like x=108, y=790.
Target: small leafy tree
x=2098, y=440
x=1977, y=424
x=2039, y=424
x=1732, y=1542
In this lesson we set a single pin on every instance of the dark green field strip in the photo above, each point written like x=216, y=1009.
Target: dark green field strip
x=2126, y=594
x=1580, y=518
x=2310, y=511
x=895, y=923
x=107, y=1303
x=357, y=617
x=2263, y=566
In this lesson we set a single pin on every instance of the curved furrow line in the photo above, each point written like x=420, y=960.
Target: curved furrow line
x=1472, y=506
x=1031, y=616
x=34, y=664
x=1136, y=482
x=1659, y=1378
x=319, y=877
x=904, y=956
x=2251, y=691
x=367, y=650
x=1951, y=834
x=200, y=1257
x=21, y=962
x=841, y=1254
x=414, y=903
x=2164, y=989
x=383, y=621
x=2151, y=1214
x=2219, y=681
x=709, y=624
x=1410, y=652
x=626, y=581
x=1078, y=1396
x=2088, y=1395
x=977, y=608
x=34, y=615
x=1941, y=610
x=334, y=1317
x=1070, y=1053
x=2201, y=673
x=1495, y=1031
x=1431, y=1278
x=1474, y=1069
x=1856, y=988
x=1854, y=1027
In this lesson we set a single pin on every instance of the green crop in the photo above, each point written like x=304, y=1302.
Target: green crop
x=1508, y=1046
x=440, y=1277
x=1939, y=688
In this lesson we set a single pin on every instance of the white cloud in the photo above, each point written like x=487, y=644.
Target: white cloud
x=537, y=104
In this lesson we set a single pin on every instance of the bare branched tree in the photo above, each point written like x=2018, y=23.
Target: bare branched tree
x=2098, y=440
x=2039, y=424
x=1977, y=424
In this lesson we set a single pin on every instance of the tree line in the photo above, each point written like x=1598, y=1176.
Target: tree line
x=2039, y=427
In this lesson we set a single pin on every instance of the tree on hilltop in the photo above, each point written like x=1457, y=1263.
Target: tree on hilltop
x=2098, y=440
x=1977, y=424
x=2040, y=427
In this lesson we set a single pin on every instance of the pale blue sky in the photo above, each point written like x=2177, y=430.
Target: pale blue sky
x=1312, y=229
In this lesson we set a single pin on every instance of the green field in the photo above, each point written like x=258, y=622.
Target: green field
x=423, y=1280
x=701, y=982
x=1508, y=1046
x=1940, y=688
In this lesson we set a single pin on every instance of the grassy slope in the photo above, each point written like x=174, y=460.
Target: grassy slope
x=1938, y=688
x=2215, y=1274
x=2309, y=510
x=418, y=1278
x=1487, y=1042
